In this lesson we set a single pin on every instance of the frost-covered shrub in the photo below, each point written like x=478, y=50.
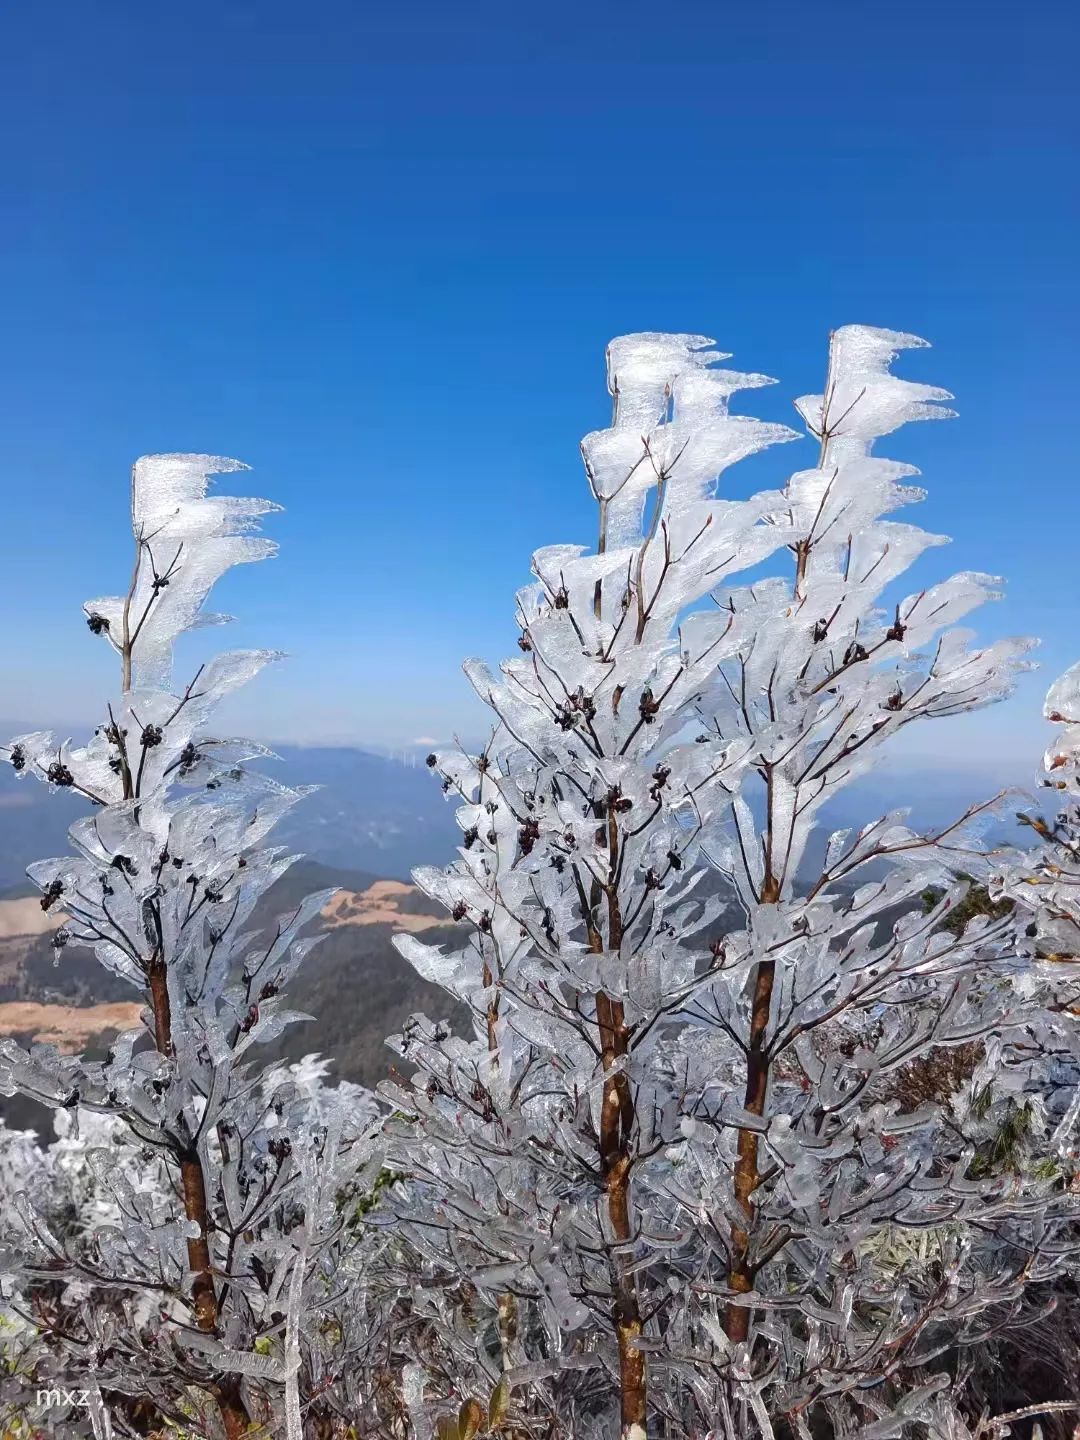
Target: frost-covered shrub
x=199, y=1278
x=761, y=1131
x=672, y=1185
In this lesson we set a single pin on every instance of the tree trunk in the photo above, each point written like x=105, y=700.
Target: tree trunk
x=616, y=1128
x=508, y=1307
x=617, y=1123
x=234, y=1415
x=740, y=1272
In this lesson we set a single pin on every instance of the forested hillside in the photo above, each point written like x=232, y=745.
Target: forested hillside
x=356, y=986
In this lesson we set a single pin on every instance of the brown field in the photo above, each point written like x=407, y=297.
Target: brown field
x=377, y=905
x=68, y=1027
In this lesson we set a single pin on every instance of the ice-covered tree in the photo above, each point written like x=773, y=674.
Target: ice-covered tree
x=570, y=837
x=658, y=1181
x=838, y=994
x=1047, y=881
x=219, y=1247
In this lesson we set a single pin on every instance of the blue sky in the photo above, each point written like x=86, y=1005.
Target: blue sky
x=378, y=256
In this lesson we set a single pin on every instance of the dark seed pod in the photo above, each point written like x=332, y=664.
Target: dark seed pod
x=51, y=894
x=660, y=777
x=648, y=706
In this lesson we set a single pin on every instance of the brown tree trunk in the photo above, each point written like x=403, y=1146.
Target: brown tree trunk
x=192, y=1179
x=616, y=1128
x=740, y=1271
x=234, y=1414
x=508, y=1307
x=747, y=1175
x=617, y=1121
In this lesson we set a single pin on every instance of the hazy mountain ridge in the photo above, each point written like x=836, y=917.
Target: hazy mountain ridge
x=385, y=815
x=373, y=819
x=354, y=983
x=370, y=813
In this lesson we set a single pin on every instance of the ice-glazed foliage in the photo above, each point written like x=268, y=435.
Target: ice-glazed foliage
x=1043, y=887
x=186, y=540
x=753, y=1136
x=220, y=1200
x=663, y=1169
x=1046, y=882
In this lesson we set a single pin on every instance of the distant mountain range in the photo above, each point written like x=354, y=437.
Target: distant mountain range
x=374, y=818
x=372, y=813
x=385, y=814
x=354, y=984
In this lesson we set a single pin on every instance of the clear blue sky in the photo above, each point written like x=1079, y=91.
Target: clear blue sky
x=377, y=253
